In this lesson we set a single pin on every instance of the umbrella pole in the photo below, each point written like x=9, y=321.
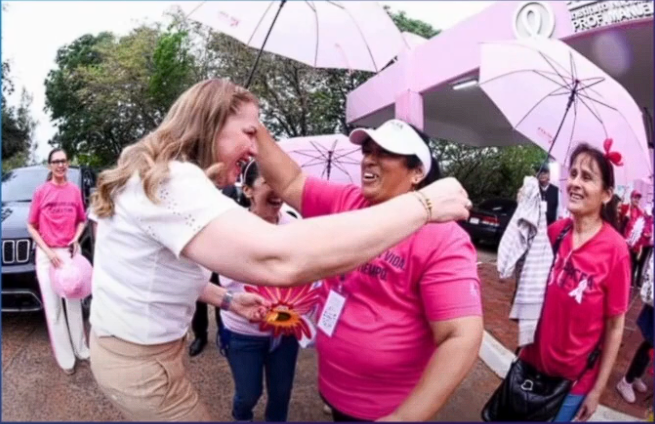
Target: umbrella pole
x=329, y=164
x=574, y=92
x=261, y=50
x=651, y=132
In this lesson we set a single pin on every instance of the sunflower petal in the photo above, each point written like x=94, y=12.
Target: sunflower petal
x=299, y=293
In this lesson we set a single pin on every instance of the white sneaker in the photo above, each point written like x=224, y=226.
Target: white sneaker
x=626, y=391
x=639, y=385
x=84, y=355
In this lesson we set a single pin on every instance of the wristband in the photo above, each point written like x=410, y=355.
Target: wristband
x=427, y=204
x=227, y=301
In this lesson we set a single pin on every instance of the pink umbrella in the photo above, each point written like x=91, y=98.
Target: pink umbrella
x=412, y=40
x=558, y=98
x=354, y=35
x=329, y=157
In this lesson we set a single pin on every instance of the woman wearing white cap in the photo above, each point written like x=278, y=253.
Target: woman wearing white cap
x=163, y=226
x=396, y=335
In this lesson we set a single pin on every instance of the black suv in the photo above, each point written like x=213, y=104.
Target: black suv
x=20, y=288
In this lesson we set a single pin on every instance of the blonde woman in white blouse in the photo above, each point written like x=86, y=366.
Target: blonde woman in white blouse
x=163, y=226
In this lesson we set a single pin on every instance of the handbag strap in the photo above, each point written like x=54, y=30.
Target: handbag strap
x=556, y=246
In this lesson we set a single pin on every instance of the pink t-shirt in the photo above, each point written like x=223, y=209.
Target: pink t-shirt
x=383, y=340
x=586, y=286
x=55, y=212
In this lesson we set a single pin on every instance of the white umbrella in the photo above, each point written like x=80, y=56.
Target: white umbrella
x=354, y=35
x=412, y=40
x=329, y=157
x=558, y=98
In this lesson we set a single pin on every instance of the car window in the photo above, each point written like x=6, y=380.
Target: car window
x=19, y=185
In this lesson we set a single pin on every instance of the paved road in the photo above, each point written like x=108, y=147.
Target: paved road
x=34, y=389
x=487, y=253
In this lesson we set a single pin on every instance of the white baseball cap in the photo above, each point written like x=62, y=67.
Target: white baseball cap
x=396, y=137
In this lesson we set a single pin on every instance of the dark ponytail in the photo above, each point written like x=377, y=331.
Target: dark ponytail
x=608, y=210
x=250, y=175
x=610, y=214
x=414, y=162
x=52, y=152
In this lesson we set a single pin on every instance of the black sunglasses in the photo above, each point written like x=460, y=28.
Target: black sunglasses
x=59, y=162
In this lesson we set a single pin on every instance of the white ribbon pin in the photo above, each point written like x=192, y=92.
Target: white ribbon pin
x=579, y=291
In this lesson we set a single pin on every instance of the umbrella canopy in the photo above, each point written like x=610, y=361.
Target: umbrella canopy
x=557, y=98
x=329, y=157
x=354, y=35
x=412, y=40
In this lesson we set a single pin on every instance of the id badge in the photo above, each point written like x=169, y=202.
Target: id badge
x=331, y=313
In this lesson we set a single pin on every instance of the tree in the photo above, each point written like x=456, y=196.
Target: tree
x=76, y=122
x=295, y=99
x=415, y=26
x=108, y=92
x=489, y=171
x=17, y=125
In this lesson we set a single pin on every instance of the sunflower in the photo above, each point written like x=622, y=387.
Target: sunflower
x=288, y=307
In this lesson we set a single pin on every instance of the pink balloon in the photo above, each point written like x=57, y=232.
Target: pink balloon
x=72, y=280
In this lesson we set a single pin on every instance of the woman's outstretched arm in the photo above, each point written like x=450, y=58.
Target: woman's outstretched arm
x=246, y=248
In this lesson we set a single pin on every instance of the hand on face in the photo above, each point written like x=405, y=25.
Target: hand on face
x=263, y=135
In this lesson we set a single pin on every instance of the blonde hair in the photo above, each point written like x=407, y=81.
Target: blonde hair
x=187, y=134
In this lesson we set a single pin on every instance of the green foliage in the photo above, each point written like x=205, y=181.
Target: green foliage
x=78, y=124
x=108, y=92
x=17, y=125
x=172, y=69
x=415, y=26
x=489, y=172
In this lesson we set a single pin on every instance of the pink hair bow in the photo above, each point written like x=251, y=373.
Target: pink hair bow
x=614, y=157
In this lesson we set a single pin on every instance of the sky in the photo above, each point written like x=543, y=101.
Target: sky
x=33, y=31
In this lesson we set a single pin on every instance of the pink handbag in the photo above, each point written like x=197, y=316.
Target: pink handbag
x=72, y=280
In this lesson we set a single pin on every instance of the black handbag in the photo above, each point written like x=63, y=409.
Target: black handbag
x=527, y=394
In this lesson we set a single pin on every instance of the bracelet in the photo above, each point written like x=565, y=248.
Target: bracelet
x=427, y=204
x=227, y=301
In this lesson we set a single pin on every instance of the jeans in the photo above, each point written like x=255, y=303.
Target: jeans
x=249, y=358
x=569, y=408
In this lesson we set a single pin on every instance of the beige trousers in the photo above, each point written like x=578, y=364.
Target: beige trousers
x=146, y=382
